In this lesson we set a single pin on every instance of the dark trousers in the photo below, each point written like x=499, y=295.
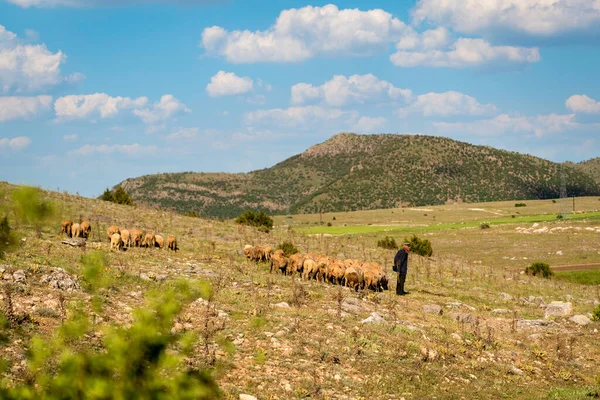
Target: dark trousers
x=400, y=284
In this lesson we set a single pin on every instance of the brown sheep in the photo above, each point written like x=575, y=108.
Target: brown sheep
x=279, y=261
x=268, y=253
x=159, y=241
x=66, y=227
x=136, y=237
x=149, y=240
x=172, y=243
x=323, y=263
x=296, y=264
x=354, y=278
x=86, y=229
x=336, y=271
x=111, y=231
x=126, y=236
x=259, y=254
x=76, y=231
x=249, y=252
x=310, y=269
x=116, y=242
x=374, y=277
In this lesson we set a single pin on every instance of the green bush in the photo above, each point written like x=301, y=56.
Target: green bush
x=288, y=248
x=596, y=317
x=539, y=268
x=520, y=205
x=31, y=208
x=7, y=238
x=119, y=196
x=419, y=246
x=387, y=243
x=145, y=360
x=256, y=219
x=560, y=216
x=485, y=225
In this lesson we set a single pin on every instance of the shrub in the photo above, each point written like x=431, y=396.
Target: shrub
x=554, y=201
x=485, y=225
x=560, y=216
x=31, y=208
x=7, y=239
x=596, y=315
x=387, y=243
x=520, y=205
x=329, y=224
x=288, y=248
x=256, y=219
x=419, y=246
x=539, y=268
x=192, y=214
x=119, y=196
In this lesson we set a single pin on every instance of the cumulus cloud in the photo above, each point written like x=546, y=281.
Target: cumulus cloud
x=23, y=107
x=356, y=89
x=541, y=18
x=131, y=150
x=228, y=84
x=300, y=34
x=167, y=107
x=29, y=67
x=94, y=105
x=15, y=144
x=446, y=104
x=580, y=103
x=369, y=124
x=298, y=117
x=539, y=125
x=463, y=53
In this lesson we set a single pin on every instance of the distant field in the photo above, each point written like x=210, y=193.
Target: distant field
x=582, y=277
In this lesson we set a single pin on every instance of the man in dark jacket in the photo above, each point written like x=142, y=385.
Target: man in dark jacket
x=401, y=264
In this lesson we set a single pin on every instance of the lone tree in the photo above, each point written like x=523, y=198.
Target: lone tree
x=259, y=220
x=119, y=196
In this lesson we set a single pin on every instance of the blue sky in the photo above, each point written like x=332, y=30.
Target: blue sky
x=93, y=92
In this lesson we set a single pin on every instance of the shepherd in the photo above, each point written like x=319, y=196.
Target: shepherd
x=401, y=267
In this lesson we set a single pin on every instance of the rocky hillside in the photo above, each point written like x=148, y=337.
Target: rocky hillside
x=591, y=167
x=352, y=172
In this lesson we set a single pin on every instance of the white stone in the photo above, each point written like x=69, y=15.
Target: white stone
x=580, y=320
x=558, y=309
x=433, y=309
x=282, y=305
x=374, y=318
x=247, y=397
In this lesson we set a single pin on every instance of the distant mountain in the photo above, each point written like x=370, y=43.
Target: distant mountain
x=591, y=167
x=353, y=172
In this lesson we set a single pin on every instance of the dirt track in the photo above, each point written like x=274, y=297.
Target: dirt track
x=576, y=267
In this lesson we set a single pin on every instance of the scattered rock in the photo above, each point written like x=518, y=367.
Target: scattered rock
x=558, y=309
x=464, y=318
x=352, y=305
x=506, y=297
x=281, y=305
x=500, y=311
x=533, y=323
x=456, y=337
x=145, y=276
x=60, y=279
x=580, y=320
x=459, y=305
x=429, y=354
x=247, y=397
x=433, y=309
x=19, y=276
x=374, y=318
x=515, y=371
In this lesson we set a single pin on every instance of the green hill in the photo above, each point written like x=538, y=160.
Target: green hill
x=591, y=167
x=353, y=172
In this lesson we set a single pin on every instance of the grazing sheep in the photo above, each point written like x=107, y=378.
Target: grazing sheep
x=76, y=231
x=149, y=240
x=323, y=264
x=111, y=231
x=268, y=252
x=374, y=277
x=172, y=243
x=116, y=242
x=259, y=254
x=249, y=252
x=279, y=261
x=354, y=278
x=336, y=271
x=136, y=237
x=309, y=269
x=296, y=264
x=86, y=229
x=126, y=236
x=159, y=241
x=66, y=227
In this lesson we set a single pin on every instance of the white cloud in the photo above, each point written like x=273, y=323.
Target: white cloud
x=15, y=144
x=23, y=107
x=228, y=84
x=298, y=117
x=532, y=17
x=369, y=124
x=583, y=104
x=356, y=89
x=465, y=53
x=539, y=125
x=29, y=67
x=182, y=134
x=167, y=107
x=431, y=39
x=300, y=34
x=94, y=105
x=445, y=104
x=131, y=150
x=70, y=138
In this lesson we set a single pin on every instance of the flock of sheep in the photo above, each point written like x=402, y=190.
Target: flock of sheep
x=350, y=273
x=120, y=237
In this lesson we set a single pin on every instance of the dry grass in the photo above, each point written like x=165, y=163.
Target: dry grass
x=318, y=348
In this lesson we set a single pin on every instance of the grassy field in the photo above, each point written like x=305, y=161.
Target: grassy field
x=583, y=277
x=484, y=342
